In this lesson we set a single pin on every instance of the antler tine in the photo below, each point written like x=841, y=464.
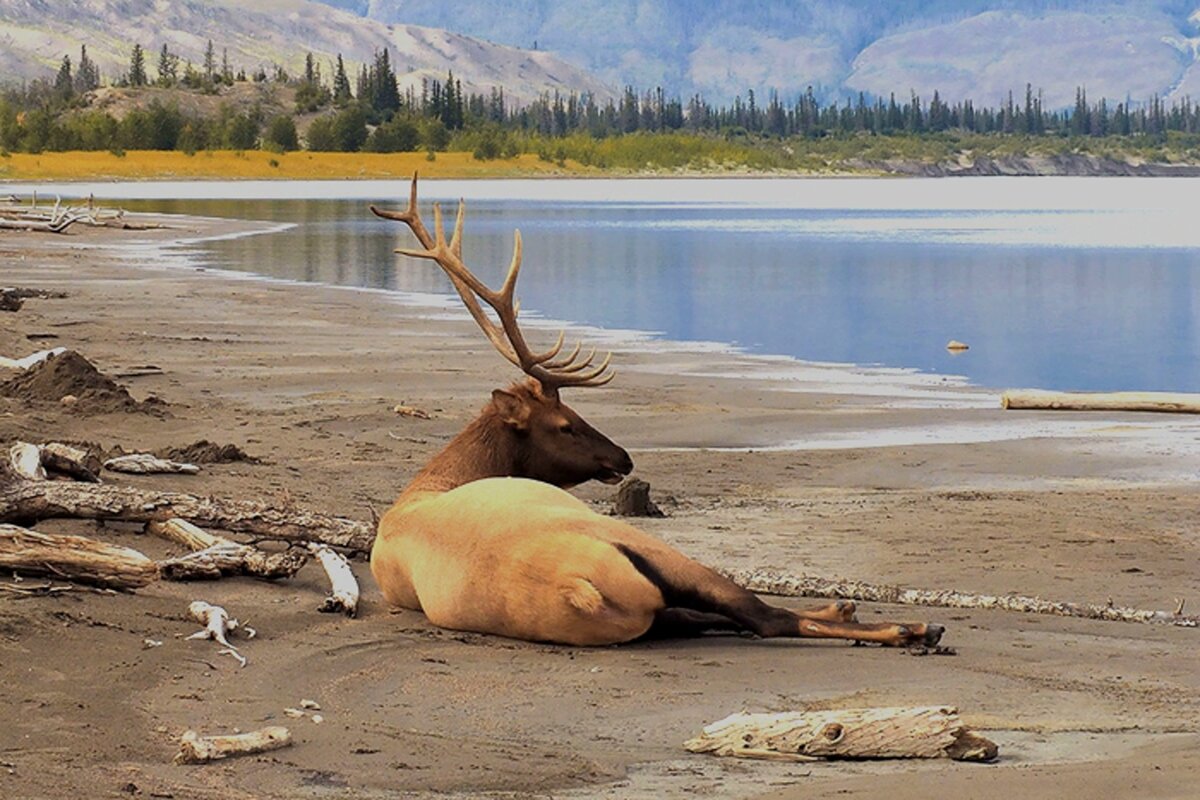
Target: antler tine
x=456, y=239
x=410, y=216
x=580, y=366
x=506, y=336
x=514, y=269
x=544, y=358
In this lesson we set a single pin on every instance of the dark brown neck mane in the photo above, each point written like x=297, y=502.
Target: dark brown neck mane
x=484, y=449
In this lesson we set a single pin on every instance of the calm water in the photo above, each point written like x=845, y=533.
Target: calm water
x=1089, y=284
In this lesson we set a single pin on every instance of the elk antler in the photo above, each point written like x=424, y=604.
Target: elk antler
x=553, y=373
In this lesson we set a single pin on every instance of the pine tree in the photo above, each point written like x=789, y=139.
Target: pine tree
x=64, y=82
x=226, y=70
x=341, y=84
x=137, y=66
x=87, y=76
x=385, y=94
x=210, y=61
x=168, y=68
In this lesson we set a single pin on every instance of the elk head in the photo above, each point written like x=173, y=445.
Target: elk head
x=550, y=442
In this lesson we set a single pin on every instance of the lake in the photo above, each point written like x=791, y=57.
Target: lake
x=1063, y=283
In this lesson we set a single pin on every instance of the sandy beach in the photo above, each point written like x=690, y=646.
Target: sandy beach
x=880, y=476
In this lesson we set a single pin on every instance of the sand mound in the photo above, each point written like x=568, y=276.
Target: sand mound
x=69, y=373
x=206, y=452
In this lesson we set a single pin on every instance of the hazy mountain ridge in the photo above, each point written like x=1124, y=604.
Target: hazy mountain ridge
x=36, y=34
x=978, y=49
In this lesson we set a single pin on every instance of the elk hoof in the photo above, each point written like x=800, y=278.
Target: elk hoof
x=847, y=610
x=933, y=635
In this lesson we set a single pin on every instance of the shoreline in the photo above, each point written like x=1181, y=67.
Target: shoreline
x=225, y=165
x=305, y=376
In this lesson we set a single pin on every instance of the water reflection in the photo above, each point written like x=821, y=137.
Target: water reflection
x=802, y=282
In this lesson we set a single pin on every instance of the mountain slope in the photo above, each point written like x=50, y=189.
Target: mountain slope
x=965, y=48
x=35, y=34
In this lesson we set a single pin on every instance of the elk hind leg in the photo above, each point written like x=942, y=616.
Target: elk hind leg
x=686, y=584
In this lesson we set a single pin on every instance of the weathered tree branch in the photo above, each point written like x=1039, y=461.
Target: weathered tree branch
x=785, y=585
x=216, y=556
x=73, y=558
x=343, y=593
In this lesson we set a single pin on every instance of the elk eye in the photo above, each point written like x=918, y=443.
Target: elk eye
x=566, y=428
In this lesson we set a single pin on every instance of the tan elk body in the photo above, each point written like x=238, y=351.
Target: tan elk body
x=486, y=538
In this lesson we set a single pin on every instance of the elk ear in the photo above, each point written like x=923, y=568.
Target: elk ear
x=512, y=409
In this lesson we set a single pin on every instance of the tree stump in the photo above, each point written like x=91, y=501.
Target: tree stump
x=633, y=500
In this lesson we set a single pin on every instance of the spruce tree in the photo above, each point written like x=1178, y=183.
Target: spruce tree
x=137, y=66
x=87, y=75
x=210, y=61
x=341, y=84
x=64, y=82
x=168, y=68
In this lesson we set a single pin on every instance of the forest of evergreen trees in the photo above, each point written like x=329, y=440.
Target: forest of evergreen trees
x=374, y=115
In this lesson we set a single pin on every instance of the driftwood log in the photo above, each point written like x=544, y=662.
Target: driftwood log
x=343, y=594
x=215, y=556
x=197, y=749
x=25, y=501
x=785, y=585
x=1033, y=399
x=147, y=464
x=76, y=462
x=918, y=732
x=73, y=558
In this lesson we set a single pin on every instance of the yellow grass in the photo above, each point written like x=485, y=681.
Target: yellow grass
x=227, y=164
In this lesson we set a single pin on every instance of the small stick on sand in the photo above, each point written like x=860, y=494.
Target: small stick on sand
x=217, y=624
x=197, y=749
x=344, y=593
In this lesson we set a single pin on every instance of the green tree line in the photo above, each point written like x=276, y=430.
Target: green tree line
x=374, y=115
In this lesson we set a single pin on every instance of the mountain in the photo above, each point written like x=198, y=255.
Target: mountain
x=976, y=49
x=36, y=34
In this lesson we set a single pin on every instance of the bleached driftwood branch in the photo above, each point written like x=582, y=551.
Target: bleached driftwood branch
x=917, y=732
x=147, y=464
x=26, y=461
x=73, y=558
x=217, y=625
x=344, y=593
x=197, y=749
x=1034, y=399
x=31, y=461
x=24, y=500
x=785, y=585
x=215, y=556
x=30, y=360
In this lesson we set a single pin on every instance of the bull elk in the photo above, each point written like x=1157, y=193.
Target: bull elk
x=486, y=538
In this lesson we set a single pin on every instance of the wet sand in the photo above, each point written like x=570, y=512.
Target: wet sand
x=905, y=481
